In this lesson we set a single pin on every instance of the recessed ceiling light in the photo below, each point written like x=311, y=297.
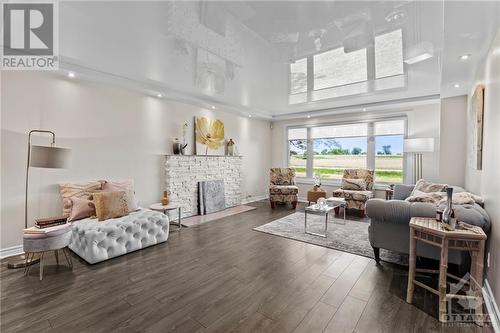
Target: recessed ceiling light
x=364, y=109
x=71, y=74
x=456, y=85
x=249, y=116
x=212, y=107
x=308, y=116
x=159, y=95
x=464, y=57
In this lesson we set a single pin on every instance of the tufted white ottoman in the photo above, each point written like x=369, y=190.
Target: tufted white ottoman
x=51, y=241
x=96, y=241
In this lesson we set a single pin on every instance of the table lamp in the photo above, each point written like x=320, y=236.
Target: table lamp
x=39, y=157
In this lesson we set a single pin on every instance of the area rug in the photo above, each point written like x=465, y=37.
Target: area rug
x=351, y=237
x=199, y=219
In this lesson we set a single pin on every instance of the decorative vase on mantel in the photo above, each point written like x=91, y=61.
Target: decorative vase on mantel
x=231, y=148
x=165, y=200
x=179, y=148
x=448, y=213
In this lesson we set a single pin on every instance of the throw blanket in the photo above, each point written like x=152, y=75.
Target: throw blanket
x=468, y=207
x=440, y=198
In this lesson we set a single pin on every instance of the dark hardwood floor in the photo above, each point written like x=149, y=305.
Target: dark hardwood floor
x=219, y=277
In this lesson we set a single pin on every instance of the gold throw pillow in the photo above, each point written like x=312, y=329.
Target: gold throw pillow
x=109, y=205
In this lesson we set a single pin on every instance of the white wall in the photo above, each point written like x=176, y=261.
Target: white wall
x=486, y=182
x=423, y=121
x=453, y=123
x=113, y=133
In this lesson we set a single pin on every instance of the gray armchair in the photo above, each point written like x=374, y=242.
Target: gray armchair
x=389, y=225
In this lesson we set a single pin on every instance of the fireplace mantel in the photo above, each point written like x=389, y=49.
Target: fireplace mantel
x=183, y=172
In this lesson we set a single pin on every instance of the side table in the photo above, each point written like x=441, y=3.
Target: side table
x=389, y=193
x=472, y=239
x=314, y=194
x=165, y=208
x=40, y=243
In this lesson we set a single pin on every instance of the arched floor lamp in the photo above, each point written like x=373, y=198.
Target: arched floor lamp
x=51, y=157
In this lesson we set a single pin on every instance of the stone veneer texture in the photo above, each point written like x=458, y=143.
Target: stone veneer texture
x=183, y=172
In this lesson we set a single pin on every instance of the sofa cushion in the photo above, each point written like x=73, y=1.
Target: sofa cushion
x=353, y=195
x=283, y=189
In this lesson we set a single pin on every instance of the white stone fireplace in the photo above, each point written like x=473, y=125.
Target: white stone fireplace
x=183, y=172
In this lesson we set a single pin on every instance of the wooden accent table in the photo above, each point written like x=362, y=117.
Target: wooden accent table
x=472, y=239
x=314, y=194
x=389, y=193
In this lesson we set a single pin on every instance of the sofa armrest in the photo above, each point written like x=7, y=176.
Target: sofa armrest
x=393, y=211
x=402, y=191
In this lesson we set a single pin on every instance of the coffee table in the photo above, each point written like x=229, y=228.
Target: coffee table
x=336, y=203
x=317, y=210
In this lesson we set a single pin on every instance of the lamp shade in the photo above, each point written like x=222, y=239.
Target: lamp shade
x=49, y=157
x=419, y=145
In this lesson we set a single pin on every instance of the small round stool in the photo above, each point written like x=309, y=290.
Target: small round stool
x=52, y=241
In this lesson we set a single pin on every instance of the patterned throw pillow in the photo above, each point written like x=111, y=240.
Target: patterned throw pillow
x=78, y=190
x=353, y=184
x=428, y=187
x=124, y=185
x=109, y=205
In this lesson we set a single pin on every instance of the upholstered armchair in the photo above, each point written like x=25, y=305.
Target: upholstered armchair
x=282, y=186
x=357, y=188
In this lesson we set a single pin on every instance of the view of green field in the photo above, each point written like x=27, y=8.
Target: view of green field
x=388, y=168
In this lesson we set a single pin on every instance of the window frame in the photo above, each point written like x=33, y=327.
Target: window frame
x=370, y=154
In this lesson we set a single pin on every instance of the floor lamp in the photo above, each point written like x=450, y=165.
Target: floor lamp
x=39, y=157
x=417, y=146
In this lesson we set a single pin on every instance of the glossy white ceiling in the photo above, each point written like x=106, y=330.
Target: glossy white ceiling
x=237, y=54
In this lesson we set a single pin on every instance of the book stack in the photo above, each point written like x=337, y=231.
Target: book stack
x=50, y=221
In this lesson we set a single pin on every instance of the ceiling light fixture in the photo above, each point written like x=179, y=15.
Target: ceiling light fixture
x=464, y=56
x=364, y=109
x=309, y=116
x=249, y=116
x=71, y=75
x=419, y=52
x=456, y=85
x=159, y=95
x=212, y=107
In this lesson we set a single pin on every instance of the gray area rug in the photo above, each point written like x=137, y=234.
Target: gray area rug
x=351, y=237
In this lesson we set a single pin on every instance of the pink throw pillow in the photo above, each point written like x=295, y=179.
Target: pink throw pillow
x=81, y=209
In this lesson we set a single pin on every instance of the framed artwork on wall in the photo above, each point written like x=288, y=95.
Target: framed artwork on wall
x=477, y=106
x=209, y=136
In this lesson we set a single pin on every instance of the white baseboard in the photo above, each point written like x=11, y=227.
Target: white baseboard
x=492, y=306
x=253, y=199
x=11, y=251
